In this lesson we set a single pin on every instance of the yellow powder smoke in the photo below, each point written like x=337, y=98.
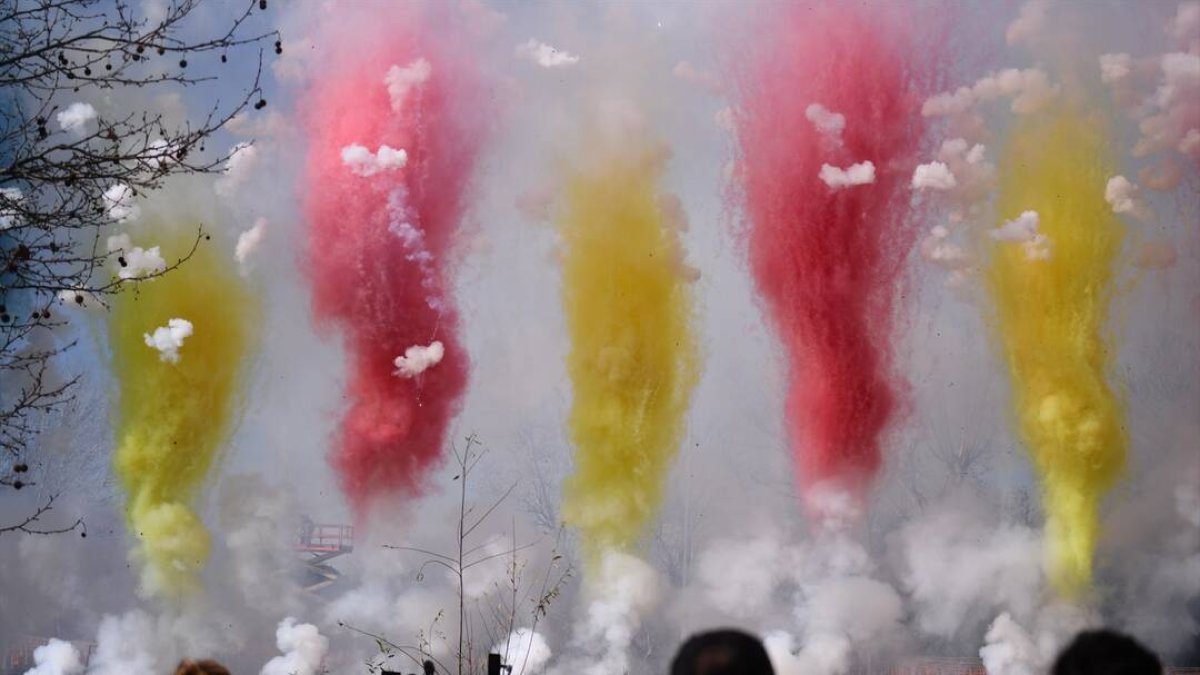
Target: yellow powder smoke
x=173, y=418
x=633, y=361
x=1051, y=317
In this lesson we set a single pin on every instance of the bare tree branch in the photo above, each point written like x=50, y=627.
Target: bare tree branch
x=29, y=524
x=55, y=182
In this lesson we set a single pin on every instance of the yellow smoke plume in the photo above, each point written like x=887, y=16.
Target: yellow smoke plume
x=1050, y=317
x=633, y=360
x=173, y=418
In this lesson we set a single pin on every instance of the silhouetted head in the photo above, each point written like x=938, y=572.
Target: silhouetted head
x=1104, y=652
x=205, y=667
x=428, y=668
x=722, y=652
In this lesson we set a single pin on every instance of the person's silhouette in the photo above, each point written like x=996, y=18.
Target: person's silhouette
x=722, y=652
x=1105, y=652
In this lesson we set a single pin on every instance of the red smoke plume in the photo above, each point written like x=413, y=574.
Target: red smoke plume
x=827, y=261
x=379, y=243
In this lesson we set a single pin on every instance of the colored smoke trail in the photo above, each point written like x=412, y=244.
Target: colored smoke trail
x=380, y=229
x=633, y=360
x=827, y=260
x=1050, y=317
x=173, y=417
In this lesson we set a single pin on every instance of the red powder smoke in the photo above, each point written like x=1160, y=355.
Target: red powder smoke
x=827, y=261
x=378, y=244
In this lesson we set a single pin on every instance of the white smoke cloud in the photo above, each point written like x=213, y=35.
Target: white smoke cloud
x=1029, y=24
x=741, y=577
x=56, y=657
x=959, y=572
x=1030, y=91
x=619, y=595
x=120, y=204
x=933, y=176
x=1172, y=107
x=169, y=339
x=974, y=179
x=125, y=645
x=400, y=81
x=79, y=297
x=544, y=55
x=938, y=249
x=75, y=117
x=247, y=243
x=1181, y=78
x=781, y=649
x=417, y=359
x=1011, y=648
x=1125, y=197
x=135, y=262
x=1184, y=27
x=243, y=159
x=840, y=609
x=138, y=643
x=401, y=219
x=1115, y=67
x=829, y=123
x=303, y=647
x=160, y=153
x=862, y=173
x=1024, y=229
x=362, y=162
x=9, y=198
x=1164, y=575
x=526, y=651
x=258, y=528
x=1190, y=144
x=843, y=615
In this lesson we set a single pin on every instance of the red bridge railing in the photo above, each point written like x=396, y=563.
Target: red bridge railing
x=325, y=539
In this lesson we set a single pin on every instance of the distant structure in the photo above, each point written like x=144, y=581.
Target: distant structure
x=317, y=544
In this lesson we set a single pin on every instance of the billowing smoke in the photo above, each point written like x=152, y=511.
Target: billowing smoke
x=56, y=658
x=526, y=651
x=75, y=117
x=862, y=173
x=303, y=648
x=168, y=339
x=619, y=593
x=120, y=203
x=545, y=56
x=633, y=361
x=825, y=261
x=381, y=225
x=707, y=266
x=135, y=262
x=1050, y=317
x=176, y=410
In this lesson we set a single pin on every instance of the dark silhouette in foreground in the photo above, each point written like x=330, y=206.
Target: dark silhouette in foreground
x=205, y=667
x=722, y=652
x=1105, y=652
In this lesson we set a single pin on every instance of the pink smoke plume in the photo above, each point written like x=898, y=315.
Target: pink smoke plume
x=395, y=122
x=828, y=128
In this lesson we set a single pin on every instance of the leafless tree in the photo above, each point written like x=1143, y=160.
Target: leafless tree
x=56, y=167
x=491, y=619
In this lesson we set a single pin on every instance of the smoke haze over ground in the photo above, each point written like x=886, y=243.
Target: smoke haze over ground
x=857, y=478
